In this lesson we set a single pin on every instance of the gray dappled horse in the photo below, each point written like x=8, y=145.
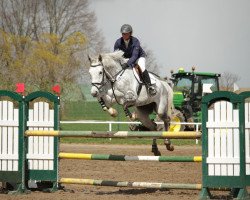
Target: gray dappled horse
x=112, y=84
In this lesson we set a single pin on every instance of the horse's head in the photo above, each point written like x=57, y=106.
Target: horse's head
x=96, y=72
x=103, y=69
x=99, y=82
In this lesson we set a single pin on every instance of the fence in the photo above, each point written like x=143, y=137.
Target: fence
x=225, y=140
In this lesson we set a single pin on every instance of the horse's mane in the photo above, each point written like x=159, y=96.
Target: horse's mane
x=113, y=60
x=116, y=55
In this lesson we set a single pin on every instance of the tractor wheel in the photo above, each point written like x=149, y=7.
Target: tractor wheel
x=177, y=117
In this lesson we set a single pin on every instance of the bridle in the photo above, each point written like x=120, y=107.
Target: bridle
x=109, y=78
x=106, y=77
x=101, y=84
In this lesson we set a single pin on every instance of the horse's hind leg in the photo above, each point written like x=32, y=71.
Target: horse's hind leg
x=166, y=121
x=143, y=116
x=167, y=142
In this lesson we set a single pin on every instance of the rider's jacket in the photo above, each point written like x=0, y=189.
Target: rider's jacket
x=133, y=51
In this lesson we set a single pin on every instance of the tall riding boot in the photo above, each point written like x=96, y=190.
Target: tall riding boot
x=147, y=81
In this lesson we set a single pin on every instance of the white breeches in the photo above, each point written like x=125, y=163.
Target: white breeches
x=142, y=63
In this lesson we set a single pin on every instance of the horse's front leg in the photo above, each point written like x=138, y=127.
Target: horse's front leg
x=113, y=112
x=155, y=149
x=128, y=101
x=131, y=116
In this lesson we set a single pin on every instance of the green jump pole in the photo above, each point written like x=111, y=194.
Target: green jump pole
x=129, y=158
x=118, y=134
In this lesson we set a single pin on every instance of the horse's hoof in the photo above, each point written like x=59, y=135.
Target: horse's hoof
x=170, y=147
x=156, y=151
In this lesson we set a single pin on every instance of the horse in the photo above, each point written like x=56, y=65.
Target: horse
x=112, y=84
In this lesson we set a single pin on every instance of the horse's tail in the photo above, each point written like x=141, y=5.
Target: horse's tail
x=170, y=96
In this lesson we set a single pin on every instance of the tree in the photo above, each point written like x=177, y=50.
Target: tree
x=228, y=80
x=38, y=65
x=32, y=18
x=42, y=41
x=151, y=63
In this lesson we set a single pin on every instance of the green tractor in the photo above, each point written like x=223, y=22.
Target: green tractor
x=189, y=87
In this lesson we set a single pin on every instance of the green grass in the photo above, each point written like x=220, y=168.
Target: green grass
x=82, y=110
x=124, y=141
x=94, y=127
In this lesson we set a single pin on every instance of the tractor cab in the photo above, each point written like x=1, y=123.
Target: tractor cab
x=189, y=88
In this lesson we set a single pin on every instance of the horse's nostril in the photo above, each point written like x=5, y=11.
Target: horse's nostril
x=94, y=94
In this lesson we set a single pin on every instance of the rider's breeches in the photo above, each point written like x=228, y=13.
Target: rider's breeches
x=142, y=63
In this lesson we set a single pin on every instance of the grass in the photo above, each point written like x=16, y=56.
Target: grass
x=94, y=127
x=125, y=141
x=82, y=110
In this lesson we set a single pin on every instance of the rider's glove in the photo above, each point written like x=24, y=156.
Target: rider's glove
x=125, y=65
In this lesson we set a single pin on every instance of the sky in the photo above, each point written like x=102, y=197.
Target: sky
x=212, y=35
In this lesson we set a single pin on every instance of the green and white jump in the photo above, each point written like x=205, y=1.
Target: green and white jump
x=29, y=134
x=130, y=184
x=129, y=158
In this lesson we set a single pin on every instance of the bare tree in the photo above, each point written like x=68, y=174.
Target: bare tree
x=62, y=17
x=151, y=63
x=227, y=81
x=16, y=16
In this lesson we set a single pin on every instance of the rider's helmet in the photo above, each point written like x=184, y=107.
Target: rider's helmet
x=126, y=28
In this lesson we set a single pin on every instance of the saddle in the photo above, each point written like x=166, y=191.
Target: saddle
x=138, y=75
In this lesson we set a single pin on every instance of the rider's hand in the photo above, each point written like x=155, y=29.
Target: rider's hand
x=125, y=65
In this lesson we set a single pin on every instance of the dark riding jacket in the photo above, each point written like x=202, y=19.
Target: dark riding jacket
x=133, y=52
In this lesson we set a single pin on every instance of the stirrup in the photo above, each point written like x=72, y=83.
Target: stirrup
x=152, y=90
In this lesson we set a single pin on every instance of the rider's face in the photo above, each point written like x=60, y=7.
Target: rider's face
x=126, y=36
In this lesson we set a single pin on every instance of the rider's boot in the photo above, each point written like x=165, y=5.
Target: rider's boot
x=147, y=81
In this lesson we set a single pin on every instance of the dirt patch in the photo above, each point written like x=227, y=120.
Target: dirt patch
x=123, y=171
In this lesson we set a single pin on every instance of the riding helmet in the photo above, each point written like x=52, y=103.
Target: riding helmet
x=126, y=28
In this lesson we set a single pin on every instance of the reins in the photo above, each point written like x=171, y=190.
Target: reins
x=100, y=84
x=113, y=80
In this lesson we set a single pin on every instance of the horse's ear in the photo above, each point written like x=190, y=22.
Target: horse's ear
x=100, y=58
x=89, y=58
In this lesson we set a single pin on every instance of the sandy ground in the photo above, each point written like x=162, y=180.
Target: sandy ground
x=123, y=171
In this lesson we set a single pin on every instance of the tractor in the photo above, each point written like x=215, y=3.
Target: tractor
x=188, y=87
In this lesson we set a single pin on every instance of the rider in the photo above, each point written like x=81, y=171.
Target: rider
x=130, y=45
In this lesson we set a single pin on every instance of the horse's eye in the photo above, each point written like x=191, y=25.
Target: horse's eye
x=100, y=73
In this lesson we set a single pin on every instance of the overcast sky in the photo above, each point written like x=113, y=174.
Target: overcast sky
x=213, y=35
